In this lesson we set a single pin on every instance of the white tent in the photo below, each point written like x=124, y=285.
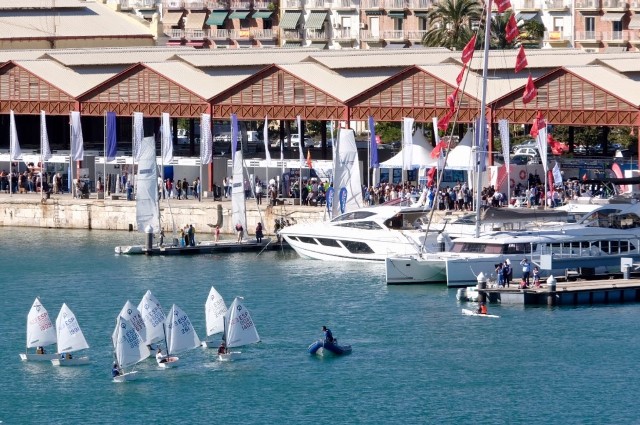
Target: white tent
x=460, y=157
x=420, y=155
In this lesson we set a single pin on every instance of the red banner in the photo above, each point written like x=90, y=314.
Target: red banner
x=467, y=52
x=530, y=91
x=511, y=29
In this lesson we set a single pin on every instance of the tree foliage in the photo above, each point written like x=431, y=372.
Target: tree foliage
x=450, y=23
x=388, y=131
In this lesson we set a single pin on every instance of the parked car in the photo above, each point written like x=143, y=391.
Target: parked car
x=526, y=151
x=524, y=159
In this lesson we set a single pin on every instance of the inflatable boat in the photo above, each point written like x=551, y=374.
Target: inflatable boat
x=321, y=348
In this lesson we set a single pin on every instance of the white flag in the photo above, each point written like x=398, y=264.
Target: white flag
x=77, y=143
x=138, y=132
x=407, y=143
x=557, y=175
x=503, y=125
x=300, y=141
x=45, y=152
x=206, y=139
x=14, y=146
x=265, y=138
x=167, y=143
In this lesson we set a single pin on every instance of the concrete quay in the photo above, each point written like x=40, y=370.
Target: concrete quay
x=66, y=212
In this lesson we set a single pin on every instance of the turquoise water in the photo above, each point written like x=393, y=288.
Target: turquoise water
x=415, y=358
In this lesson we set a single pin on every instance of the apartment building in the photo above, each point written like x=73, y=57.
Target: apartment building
x=607, y=25
x=556, y=15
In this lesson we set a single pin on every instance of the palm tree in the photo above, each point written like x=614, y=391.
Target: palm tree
x=499, y=31
x=531, y=32
x=450, y=23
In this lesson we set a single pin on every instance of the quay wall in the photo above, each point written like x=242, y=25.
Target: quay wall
x=68, y=213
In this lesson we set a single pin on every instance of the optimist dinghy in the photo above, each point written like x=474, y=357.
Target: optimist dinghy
x=468, y=312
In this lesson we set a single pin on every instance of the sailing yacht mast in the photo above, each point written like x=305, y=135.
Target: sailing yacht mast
x=483, y=123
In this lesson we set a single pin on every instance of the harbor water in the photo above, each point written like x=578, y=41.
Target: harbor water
x=416, y=359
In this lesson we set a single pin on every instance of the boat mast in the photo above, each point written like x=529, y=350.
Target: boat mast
x=483, y=122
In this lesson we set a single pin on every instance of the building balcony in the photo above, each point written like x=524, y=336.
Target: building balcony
x=217, y=4
x=194, y=4
x=415, y=35
x=420, y=4
x=588, y=36
x=530, y=5
x=220, y=34
x=316, y=34
x=588, y=5
x=263, y=5
x=194, y=34
x=344, y=34
x=292, y=4
x=172, y=4
x=368, y=35
x=174, y=33
x=394, y=35
x=615, y=37
x=634, y=37
x=556, y=5
x=617, y=5
x=634, y=4
x=292, y=34
x=240, y=34
x=372, y=4
x=396, y=4
x=317, y=4
x=345, y=4
x=556, y=37
x=240, y=5
x=137, y=4
x=261, y=34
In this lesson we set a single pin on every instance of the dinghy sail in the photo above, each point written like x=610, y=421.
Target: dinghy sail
x=239, y=329
x=70, y=339
x=132, y=315
x=215, y=310
x=40, y=333
x=180, y=334
x=129, y=349
x=238, y=207
x=153, y=318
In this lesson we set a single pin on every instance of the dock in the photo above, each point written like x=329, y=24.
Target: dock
x=607, y=291
x=207, y=247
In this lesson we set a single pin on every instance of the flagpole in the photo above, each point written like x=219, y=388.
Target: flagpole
x=11, y=142
x=70, y=141
x=104, y=172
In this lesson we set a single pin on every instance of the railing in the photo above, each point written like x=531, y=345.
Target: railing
x=317, y=4
x=372, y=4
x=393, y=35
x=344, y=33
x=137, y=4
x=531, y=4
x=258, y=4
x=634, y=37
x=370, y=35
x=615, y=4
x=615, y=36
x=292, y=34
x=292, y=4
x=416, y=34
x=345, y=4
x=316, y=34
x=635, y=4
x=263, y=34
x=217, y=4
x=420, y=4
x=395, y=4
x=172, y=4
x=194, y=4
x=587, y=4
x=240, y=34
x=193, y=34
x=240, y=4
x=587, y=35
x=555, y=36
x=220, y=34
x=174, y=33
x=555, y=5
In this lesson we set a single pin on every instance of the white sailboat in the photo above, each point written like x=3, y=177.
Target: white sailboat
x=180, y=336
x=238, y=207
x=40, y=333
x=132, y=315
x=70, y=339
x=153, y=317
x=239, y=329
x=214, y=309
x=129, y=349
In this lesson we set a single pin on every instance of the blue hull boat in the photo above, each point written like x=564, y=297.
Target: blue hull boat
x=321, y=347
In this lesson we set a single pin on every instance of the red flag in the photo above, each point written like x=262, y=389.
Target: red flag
x=521, y=60
x=530, y=91
x=451, y=100
x=557, y=147
x=538, y=123
x=461, y=74
x=467, y=52
x=503, y=5
x=309, y=158
x=512, y=29
x=436, y=151
x=444, y=122
x=431, y=174
x=584, y=177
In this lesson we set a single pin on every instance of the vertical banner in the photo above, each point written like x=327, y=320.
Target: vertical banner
x=301, y=142
x=234, y=136
x=407, y=143
x=503, y=126
x=14, y=145
x=480, y=143
x=343, y=199
x=265, y=138
x=373, y=143
x=167, y=143
x=77, y=142
x=111, y=136
x=206, y=139
x=45, y=152
x=138, y=132
x=541, y=143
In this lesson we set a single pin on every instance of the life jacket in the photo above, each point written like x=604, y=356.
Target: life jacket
x=483, y=309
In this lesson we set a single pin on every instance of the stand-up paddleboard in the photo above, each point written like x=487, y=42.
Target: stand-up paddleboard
x=468, y=312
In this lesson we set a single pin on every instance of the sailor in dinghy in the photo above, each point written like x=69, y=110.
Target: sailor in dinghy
x=40, y=334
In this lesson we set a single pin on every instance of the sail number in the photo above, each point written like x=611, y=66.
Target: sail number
x=72, y=326
x=42, y=320
x=184, y=323
x=155, y=316
x=244, y=320
x=131, y=337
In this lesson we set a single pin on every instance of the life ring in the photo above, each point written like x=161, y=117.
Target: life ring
x=523, y=174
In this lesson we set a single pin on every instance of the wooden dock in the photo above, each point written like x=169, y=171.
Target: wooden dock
x=609, y=291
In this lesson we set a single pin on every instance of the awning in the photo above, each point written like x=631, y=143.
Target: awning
x=321, y=45
x=262, y=14
x=172, y=18
x=316, y=20
x=373, y=12
x=396, y=15
x=612, y=16
x=424, y=15
x=417, y=46
x=239, y=14
x=615, y=49
x=217, y=18
x=526, y=16
x=634, y=24
x=292, y=45
x=395, y=45
x=290, y=20
x=174, y=43
x=196, y=43
x=195, y=20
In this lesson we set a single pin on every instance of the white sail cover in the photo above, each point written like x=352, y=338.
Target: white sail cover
x=240, y=327
x=45, y=151
x=14, y=145
x=407, y=143
x=167, y=140
x=239, y=214
x=346, y=173
x=131, y=314
x=215, y=310
x=153, y=317
x=181, y=336
x=70, y=336
x=77, y=142
x=206, y=139
x=129, y=346
x=147, y=213
x=40, y=330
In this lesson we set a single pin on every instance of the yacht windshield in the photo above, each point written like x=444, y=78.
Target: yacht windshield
x=354, y=215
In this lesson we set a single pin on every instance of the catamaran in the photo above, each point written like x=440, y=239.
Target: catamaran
x=40, y=334
x=180, y=336
x=239, y=329
x=129, y=349
x=70, y=339
x=214, y=310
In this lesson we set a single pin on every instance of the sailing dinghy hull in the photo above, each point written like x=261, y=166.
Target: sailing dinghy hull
x=230, y=356
x=322, y=348
x=169, y=363
x=76, y=361
x=30, y=357
x=468, y=312
x=126, y=377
